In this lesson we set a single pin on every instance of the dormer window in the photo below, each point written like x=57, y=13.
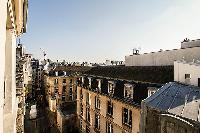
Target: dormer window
x=111, y=86
x=151, y=90
x=82, y=80
x=90, y=81
x=56, y=73
x=128, y=90
x=99, y=84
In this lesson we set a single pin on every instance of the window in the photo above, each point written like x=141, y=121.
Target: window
x=170, y=127
x=81, y=109
x=81, y=124
x=70, y=93
x=99, y=83
x=128, y=91
x=63, y=97
x=97, y=102
x=82, y=79
x=70, y=81
x=151, y=90
x=127, y=117
x=88, y=114
x=109, y=127
x=110, y=87
x=4, y=89
x=110, y=108
x=187, y=76
x=87, y=129
x=90, y=81
x=97, y=121
x=56, y=81
x=81, y=94
x=87, y=98
x=182, y=129
x=64, y=80
x=75, y=93
x=64, y=89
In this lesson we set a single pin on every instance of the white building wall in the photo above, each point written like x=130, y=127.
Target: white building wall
x=3, y=17
x=10, y=108
x=163, y=58
x=182, y=68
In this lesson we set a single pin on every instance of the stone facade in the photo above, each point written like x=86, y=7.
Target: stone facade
x=61, y=96
x=101, y=109
x=23, y=72
x=13, y=15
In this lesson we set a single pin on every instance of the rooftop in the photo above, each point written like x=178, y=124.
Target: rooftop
x=152, y=74
x=68, y=69
x=178, y=99
x=140, y=91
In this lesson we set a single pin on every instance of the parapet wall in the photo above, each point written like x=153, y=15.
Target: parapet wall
x=163, y=58
x=192, y=43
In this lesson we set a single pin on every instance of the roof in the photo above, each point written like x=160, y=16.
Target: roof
x=68, y=69
x=178, y=99
x=152, y=74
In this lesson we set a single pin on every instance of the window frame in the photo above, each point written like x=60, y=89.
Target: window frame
x=128, y=91
x=127, y=121
x=97, y=122
x=110, y=108
x=97, y=102
x=109, y=127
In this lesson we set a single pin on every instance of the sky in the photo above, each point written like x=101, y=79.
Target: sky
x=98, y=30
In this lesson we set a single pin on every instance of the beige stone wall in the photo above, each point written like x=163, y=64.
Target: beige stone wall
x=10, y=108
x=10, y=10
x=163, y=58
x=117, y=113
x=50, y=81
x=182, y=68
x=3, y=17
x=59, y=121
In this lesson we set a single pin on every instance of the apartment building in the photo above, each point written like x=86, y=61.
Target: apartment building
x=60, y=90
x=110, y=105
x=23, y=78
x=189, y=50
x=175, y=106
x=13, y=18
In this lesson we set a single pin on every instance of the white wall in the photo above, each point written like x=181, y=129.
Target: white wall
x=163, y=58
x=181, y=68
x=3, y=17
x=10, y=108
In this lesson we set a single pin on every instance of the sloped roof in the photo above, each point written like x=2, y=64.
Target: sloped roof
x=178, y=99
x=152, y=74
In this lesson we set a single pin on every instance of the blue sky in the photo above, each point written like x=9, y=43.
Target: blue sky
x=96, y=30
